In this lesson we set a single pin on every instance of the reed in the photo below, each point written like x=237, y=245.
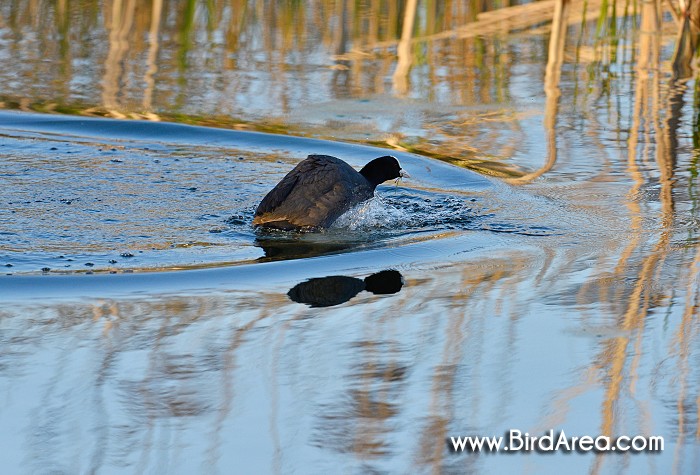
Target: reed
x=173, y=60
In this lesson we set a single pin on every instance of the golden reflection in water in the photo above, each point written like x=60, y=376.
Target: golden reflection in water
x=119, y=25
x=200, y=352
x=552, y=77
x=405, y=57
x=652, y=149
x=464, y=330
x=687, y=330
x=192, y=62
x=149, y=78
x=615, y=356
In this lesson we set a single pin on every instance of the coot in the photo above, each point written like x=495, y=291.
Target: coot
x=337, y=289
x=320, y=189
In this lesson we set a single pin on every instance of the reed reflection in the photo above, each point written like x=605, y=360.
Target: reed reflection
x=119, y=25
x=336, y=289
x=216, y=62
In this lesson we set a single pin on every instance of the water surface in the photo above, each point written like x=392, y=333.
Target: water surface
x=547, y=240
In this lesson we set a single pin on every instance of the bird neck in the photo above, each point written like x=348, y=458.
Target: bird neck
x=372, y=175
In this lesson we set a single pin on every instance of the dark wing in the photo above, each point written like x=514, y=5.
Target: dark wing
x=317, y=191
x=276, y=196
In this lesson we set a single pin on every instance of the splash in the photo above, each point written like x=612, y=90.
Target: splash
x=373, y=214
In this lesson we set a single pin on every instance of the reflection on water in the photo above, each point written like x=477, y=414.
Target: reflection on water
x=337, y=289
x=291, y=246
x=582, y=316
x=220, y=63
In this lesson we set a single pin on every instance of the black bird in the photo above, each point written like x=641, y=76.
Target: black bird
x=320, y=189
x=337, y=289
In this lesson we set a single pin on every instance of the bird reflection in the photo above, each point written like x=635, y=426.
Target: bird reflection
x=276, y=248
x=337, y=289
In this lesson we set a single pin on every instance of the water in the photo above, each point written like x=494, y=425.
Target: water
x=539, y=270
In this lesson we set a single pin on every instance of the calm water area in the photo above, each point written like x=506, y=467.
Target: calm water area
x=538, y=271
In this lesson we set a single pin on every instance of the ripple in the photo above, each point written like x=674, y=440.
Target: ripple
x=188, y=201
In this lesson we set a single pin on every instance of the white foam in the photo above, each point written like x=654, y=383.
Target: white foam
x=374, y=213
